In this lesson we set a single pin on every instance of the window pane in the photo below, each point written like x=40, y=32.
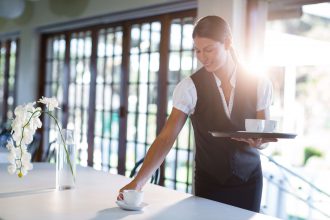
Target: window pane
x=142, y=87
x=181, y=65
x=8, y=71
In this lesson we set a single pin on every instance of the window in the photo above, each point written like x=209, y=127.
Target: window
x=179, y=166
x=108, y=84
x=115, y=85
x=144, y=58
x=8, y=70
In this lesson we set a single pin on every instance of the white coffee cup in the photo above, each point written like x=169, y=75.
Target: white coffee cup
x=270, y=125
x=133, y=197
x=254, y=125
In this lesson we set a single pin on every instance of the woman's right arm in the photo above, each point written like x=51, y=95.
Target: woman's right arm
x=158, y=150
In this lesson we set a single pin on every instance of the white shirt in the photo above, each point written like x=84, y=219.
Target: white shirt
x=185, y=95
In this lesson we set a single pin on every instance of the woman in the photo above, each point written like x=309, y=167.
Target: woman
x=219, y=96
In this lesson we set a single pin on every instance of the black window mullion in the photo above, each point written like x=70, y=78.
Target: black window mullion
x=82, y=36
x=66, y=81
x=45, y=65
x=75, y=36
x=112, y=83
x=148, y=87
x=113, y=32
x=16, y=71
x=58, y=76
x=1, y=80
x=92, y=97
x=6, y=80
x=138, y=97
x=103, y=95
x=124, y=98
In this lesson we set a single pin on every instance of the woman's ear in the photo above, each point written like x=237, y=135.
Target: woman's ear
x=227, y=43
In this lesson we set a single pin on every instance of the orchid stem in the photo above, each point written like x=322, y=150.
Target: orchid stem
x=66, y=150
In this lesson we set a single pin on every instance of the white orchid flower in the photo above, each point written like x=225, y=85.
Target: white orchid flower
x=19, y=110
x=26, y=166
x=11, y=157
x=10, y=144
x=51, y=103
x=11, y=169
x=24, y=125
x=18, y=164
x=27, y=117
x=26, y=157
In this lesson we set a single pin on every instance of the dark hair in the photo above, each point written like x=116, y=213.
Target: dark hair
x=212, y=27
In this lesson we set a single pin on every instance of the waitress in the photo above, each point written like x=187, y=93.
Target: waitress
x=219, y=96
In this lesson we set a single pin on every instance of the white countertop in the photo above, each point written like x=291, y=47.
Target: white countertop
x=34, y=197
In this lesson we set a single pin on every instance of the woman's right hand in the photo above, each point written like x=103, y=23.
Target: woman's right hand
x=132, y=185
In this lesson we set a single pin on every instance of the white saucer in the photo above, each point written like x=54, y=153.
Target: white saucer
x=124, y=206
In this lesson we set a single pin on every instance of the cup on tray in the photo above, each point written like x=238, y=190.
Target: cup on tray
x=270, y=126
x=260, y=125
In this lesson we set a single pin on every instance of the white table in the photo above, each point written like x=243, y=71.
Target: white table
x=34, y=197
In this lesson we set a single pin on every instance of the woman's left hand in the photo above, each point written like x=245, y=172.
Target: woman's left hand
x=256, y=142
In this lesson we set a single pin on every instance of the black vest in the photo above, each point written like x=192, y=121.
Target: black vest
x=222, y=157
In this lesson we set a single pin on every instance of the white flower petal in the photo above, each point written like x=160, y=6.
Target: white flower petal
x=24, y=126
x=19, y=110
x=16, y=137
x=24, y=148
x=18, y=163
x=26, y=157
x=51, y=103
x=27, y=166
x=17, y=152
x=10, y=144
x=27, y=139
x=11, y=168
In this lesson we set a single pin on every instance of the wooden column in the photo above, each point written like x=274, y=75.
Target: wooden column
x=92, y=100
x=124, y=98
x=257, y=12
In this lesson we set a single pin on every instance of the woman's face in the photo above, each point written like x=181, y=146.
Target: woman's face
x=212, y=54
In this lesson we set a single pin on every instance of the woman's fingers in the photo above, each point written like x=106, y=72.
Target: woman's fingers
x=131, y=185
x=240, y=139
x=120, y=194
x=256, y=142
x=266, y=140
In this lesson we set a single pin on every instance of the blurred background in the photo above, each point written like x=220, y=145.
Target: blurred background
x=113, y=66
